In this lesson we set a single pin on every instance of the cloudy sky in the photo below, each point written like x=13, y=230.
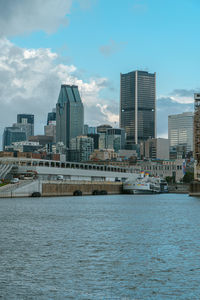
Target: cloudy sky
x=44, y=43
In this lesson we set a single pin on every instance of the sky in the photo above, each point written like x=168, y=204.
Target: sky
x=44, y=43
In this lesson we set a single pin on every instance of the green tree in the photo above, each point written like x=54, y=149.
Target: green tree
x=188, y=177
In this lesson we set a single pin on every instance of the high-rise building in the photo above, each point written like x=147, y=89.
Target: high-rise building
x=89, y=129
x=157, y=148
x=95, y=137
x=26, y=123
x=138, y=106
x=13, y=134
x=50, y=130
x=69, y=114
x=51, y=116
x=84, y=145
x=25, y=118
x=102, y=130
x=115, y=139
x=180, y=130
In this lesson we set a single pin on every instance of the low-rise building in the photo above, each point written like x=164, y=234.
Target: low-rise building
x=24, y=146
x=164, y=168
x=103, y=155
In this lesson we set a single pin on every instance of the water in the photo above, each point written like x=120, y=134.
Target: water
x=100, y=247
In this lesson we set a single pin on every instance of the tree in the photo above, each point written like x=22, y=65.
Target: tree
x=188, y=177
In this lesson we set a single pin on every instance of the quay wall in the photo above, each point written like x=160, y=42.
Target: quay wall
x=87, y=188
x=194, y=188
x=48, y=188
x=179, y=188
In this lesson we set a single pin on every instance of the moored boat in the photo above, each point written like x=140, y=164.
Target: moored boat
x=145, y=185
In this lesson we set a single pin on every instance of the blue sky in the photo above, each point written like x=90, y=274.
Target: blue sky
x=100, y=39
x=156, y=35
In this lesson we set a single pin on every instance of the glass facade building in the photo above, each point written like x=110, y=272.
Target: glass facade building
x=138, y=106
x=180, y=130
x=69, y=114
x=11, y=135
x=115, y=139
x=51, y=116
x=26, y=123
x=25, y=118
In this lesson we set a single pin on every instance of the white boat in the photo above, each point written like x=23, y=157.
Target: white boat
x=145, y=185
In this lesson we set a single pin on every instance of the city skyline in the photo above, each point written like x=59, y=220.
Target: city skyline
x=91, y=51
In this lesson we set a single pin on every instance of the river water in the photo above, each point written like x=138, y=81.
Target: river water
x=100, y=247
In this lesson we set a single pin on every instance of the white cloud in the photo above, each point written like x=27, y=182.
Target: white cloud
x=30, y=81
x=109, y=115
x=24, y=16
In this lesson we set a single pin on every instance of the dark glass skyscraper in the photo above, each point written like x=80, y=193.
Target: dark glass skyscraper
x=138, y=106
x=69, y=114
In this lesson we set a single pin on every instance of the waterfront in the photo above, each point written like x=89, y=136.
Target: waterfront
x=100, y=247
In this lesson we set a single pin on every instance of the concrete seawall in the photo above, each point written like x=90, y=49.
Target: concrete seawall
x=55, y=188
x=195, y=189
x=88, y=188
x=179, y=188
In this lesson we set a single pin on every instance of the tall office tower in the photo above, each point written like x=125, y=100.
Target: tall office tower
x=11, y=135
x=138, y=106
x=180, y=130
x=51, y=116
x=69, y=114
x=26, y=123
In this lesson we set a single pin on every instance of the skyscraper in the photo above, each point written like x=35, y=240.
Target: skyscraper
x=26, y=123
x=138, y=106
x=51, y=116
x=180, y=130
x=69, y=114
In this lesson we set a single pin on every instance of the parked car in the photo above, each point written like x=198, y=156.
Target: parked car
x=14, y=180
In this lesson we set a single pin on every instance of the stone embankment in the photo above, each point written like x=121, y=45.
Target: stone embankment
x=179, y=188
